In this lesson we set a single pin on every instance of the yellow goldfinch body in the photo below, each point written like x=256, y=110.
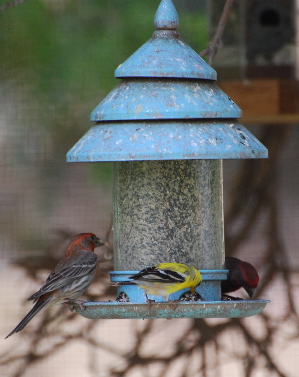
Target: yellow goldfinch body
x=167, y=278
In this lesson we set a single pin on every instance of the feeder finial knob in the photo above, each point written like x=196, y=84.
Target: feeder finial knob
x=166, y=17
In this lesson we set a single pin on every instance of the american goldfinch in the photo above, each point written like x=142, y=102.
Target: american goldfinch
x=167, y=278
x=70, y=279
x=240, y=275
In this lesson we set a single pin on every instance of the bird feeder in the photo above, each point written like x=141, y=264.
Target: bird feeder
x=167, y=126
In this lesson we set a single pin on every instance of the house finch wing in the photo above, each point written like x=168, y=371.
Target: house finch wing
x=81, y=263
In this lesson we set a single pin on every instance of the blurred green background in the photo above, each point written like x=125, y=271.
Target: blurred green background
x=57, y=63
x=63, y=55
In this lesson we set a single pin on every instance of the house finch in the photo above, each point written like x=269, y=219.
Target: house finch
x=240, y=274
x=167, y=278
x=70, y=278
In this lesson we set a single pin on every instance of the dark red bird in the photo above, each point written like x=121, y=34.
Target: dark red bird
x=70, y=278
x=241, y=275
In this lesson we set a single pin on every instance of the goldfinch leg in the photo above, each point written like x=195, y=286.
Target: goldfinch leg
x=173, y=304
x=70, y=303
x=149, y=302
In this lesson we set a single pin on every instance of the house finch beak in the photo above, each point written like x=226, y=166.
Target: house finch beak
x=70, y=278
x=240, y=275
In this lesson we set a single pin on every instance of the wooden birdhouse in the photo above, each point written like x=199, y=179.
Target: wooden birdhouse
x=257, y=61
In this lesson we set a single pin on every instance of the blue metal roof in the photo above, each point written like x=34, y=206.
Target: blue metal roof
x=167, y=106
x=166, y=140
x=165, y=55
x=136, y=99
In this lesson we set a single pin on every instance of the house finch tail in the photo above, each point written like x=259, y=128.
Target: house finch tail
x=70, y=278
x=37, y=307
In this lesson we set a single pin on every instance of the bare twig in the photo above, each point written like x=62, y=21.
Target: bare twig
x=212, y=48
